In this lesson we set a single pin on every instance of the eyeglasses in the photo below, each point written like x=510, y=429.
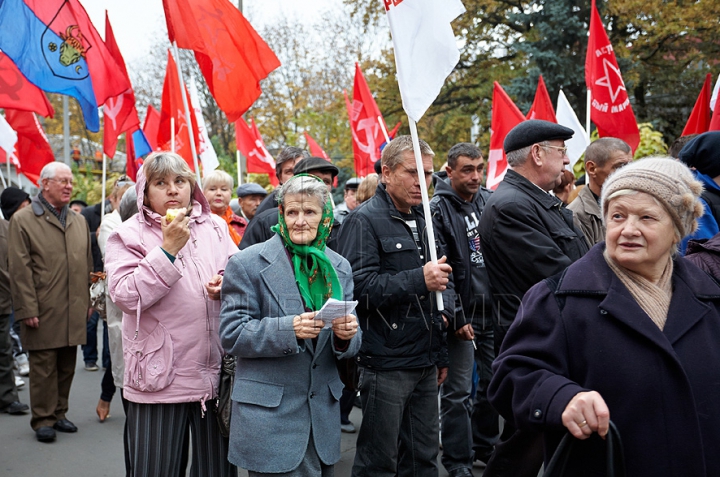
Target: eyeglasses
x=563, y=150
x=63, y=182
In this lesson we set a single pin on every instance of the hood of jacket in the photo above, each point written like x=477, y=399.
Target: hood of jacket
x=200, y=206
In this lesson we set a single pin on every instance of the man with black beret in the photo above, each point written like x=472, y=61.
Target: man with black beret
x=526, y=235
x=702, y=155
x=259, y=229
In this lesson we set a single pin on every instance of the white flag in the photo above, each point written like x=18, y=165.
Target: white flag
x=713, y=99
x=567, y=117
x=425, y=49
x=207, y=154
x=8, y=137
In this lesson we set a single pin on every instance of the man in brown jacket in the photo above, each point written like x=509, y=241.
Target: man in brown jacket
x=50, y=261
x=603, y=157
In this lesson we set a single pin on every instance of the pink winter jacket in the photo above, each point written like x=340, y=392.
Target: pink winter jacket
x=175, y=355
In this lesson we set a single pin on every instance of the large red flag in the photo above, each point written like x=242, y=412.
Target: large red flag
x=173, y=108
x=365, y=126
x=151, y=126
x=715, y=121
x=610, y=110
x=32, y=149
x=505, y=116
x=315, y=149
x=69, y=18
x=542, y=107
x=119, y=113
x=16, y=92
x=250, y=144
x=232, y=56
x=699, y=120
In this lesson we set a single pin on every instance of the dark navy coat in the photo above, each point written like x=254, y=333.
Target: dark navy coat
x=662, y=387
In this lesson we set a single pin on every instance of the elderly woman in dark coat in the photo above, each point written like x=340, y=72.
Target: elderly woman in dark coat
x=629, y=333
x=285, y=398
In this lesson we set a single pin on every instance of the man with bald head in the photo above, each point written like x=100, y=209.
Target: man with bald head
x=602, y=157
x=50, y=260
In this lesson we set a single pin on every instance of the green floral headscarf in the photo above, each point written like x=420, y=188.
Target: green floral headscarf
x=314, y=273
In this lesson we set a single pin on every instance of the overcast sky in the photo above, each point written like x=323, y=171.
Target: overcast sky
x=133, y=19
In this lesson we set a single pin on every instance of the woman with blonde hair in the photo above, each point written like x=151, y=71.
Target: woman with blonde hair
x=218, y=187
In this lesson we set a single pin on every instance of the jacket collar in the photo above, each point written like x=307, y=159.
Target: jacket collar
x=591, y=276
x=589, y=204
x=382, y=195
x=514, y=179
x=39, y=210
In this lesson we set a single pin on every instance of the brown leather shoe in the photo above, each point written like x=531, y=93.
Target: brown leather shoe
x=103, y=410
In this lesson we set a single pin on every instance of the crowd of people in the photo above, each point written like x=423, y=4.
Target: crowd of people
x=565, y=307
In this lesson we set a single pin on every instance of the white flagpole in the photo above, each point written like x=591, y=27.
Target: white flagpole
x=587, y=123
x=172, y=134
x=384, y=129
x=104, y=185
x=239, y=167
x=191, y=133
x=2, y=176
x=425, y=203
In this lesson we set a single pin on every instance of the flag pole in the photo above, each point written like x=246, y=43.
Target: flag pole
x=239, y=167
x=425, y=203
x=2, y=176
x=191, y=133
x=587, y=123
x=384, y=129
x=104, y=185
x=172, y=134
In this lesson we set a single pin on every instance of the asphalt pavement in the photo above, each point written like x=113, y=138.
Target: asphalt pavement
x=96, y=450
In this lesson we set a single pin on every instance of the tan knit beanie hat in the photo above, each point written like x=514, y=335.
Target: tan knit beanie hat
x=666, y=179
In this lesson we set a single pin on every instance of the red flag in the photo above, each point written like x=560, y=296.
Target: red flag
x=542, y=107
x=173, y=107
x=16, y=92
x=250, y=144
x=610, y=110
x=699, y=120
x=32, y=149
x=232, y=56
x=119, y=113
x=131, y=165
x=505, y=116
x=715, y=121
x=365, y=126
x=315, y=148
x=151, y=127
x=69, y=18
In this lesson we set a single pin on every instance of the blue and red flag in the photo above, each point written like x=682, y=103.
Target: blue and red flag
x=54, y=44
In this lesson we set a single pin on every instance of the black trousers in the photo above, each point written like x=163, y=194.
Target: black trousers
x=518, y=454
x=8, y=391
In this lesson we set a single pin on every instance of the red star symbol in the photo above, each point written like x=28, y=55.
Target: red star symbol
x=611, y=71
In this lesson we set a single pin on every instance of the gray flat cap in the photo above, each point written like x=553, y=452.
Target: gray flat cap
x=353, y=183
x=310, y=164
x=534, y=131
x=250, y=188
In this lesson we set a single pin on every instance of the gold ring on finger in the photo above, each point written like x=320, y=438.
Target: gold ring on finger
x=583, y=424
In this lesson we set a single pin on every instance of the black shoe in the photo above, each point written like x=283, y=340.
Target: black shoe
x=45, y=434
x=461, y=472
x=16, y=408
x=63, y=425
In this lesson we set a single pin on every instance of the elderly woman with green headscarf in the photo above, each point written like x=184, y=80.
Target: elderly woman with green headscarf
x=285, y=396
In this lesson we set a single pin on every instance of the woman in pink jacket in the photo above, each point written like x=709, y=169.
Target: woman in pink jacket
x=164, y=272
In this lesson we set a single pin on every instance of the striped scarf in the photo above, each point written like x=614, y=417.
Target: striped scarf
x=61, y=214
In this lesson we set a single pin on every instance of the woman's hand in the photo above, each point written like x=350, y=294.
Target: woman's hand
x=213, y=287
x=306, y=326
x=345, y=327
x=586, y=413
x=175, y=233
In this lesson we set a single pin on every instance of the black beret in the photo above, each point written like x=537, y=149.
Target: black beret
x=703, y=153
x=310, y=164
x=534, y=131
x=353, y=183
x=10, y=200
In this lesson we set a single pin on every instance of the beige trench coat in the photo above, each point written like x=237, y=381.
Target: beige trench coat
x=50, y=275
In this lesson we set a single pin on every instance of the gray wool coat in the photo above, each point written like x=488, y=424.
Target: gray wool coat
x=284, y=387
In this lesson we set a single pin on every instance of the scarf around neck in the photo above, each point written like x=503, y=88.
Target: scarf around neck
x=228, y=216
x=314, y=273
x=653, y=298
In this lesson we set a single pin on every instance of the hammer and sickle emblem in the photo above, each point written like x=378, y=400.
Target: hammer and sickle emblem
x=10, y=90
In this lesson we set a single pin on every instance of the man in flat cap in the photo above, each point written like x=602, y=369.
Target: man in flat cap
x=349, y=202
x=249, y=197
x=526, y=235
x=259, y=229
